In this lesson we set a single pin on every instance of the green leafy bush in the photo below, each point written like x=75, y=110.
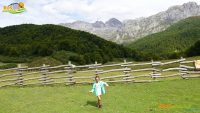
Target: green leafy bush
x=7, y=66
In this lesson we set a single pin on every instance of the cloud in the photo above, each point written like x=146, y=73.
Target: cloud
x=62, y=11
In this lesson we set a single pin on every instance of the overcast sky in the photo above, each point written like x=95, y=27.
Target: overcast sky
x=62, y=11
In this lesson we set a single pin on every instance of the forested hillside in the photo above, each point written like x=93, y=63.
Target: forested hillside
x=23, y=43
x=171, y=43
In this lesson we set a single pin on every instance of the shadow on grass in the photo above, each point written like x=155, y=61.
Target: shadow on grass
x=91, y=103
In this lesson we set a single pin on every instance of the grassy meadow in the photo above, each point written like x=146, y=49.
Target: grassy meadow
x=175, y=96
x=170, y=95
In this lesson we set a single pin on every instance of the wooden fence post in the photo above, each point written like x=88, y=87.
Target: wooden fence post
x=70, y=71
x=182, y=70
x=20, y=78
x=96, y=68
x=126, y=71
x=44, y=77
x=155, y=73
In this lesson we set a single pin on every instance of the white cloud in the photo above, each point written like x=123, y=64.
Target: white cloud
x=62, y=11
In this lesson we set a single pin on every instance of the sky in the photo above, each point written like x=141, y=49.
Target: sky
x=64, y=11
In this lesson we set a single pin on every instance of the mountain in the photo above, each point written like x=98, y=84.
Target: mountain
x=22, y=43
x=130, y=30
x=108, y=30
x=113, y=22
x=171, y=43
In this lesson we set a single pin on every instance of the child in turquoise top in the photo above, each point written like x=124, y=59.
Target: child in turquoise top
x=99, y=88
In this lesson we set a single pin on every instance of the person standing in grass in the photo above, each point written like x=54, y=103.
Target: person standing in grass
x=98, y=88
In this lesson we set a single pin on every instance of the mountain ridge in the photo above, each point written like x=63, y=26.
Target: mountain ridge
x=172, y=42
x=133, y=29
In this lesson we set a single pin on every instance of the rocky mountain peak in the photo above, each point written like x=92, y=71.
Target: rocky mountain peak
x=190, y=4
x=98, y=24
x=113, y=22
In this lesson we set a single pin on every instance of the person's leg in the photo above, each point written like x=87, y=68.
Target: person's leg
x=99, y=101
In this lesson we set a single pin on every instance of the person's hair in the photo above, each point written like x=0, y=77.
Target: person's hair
x=97, y=77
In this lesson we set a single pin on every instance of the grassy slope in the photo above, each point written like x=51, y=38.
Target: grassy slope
x=182, y=95
x=176, y=39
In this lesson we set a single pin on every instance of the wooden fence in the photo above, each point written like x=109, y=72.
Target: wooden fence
x=128, y=72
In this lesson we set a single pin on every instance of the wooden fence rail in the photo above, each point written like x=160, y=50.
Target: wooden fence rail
x=84, y=74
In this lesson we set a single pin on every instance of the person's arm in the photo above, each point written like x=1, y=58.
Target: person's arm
x=93, y=87
x=105, y=84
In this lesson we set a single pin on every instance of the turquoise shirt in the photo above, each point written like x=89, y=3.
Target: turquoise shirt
x=102, y=85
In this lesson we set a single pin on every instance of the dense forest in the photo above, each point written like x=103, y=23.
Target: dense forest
x=174, y=42
x=24, y=43
x=194, y=50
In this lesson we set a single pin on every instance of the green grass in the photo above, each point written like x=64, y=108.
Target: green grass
x=181, y=96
